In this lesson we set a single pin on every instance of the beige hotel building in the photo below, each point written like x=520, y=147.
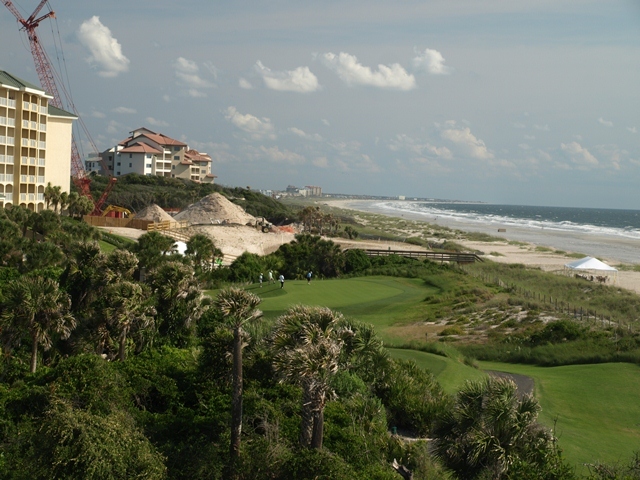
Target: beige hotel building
x=35, y=143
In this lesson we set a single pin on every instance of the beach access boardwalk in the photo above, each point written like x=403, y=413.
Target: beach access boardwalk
x=436, y=256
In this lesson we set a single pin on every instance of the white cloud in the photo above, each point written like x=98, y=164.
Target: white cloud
x=431, y=61
x=326, y=122
x=524, y=146
x=632, y=129
x=124, y=110
x=189, y=77
x=106, y=52
x=305, y=135
x=606, y=123
x=300, y=80
x=321, y=162
x=275, y=155
x=543, y=128
x=529, y=137
x=519, y=125
x=96, y=114
x=114, y=128
x=467, y=143
x=156, y=123
x=579, y=155
x=245, y=84
x=258, y=128
x=403, y=142
x=353, y=73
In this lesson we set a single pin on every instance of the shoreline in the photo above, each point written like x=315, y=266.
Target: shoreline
x=526, y=246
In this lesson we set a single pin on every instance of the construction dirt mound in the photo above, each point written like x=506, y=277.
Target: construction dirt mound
x=154, y=213
x=215, y=209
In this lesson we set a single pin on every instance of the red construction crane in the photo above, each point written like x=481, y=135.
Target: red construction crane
x=47, y=81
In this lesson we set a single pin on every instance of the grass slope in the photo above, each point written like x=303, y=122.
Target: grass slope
x=451, y=373
x=595, y=406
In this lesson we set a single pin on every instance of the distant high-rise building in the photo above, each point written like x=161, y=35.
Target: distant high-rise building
x=35, y=143
x=313, y=191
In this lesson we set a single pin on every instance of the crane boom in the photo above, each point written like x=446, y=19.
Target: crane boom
x=47, y=81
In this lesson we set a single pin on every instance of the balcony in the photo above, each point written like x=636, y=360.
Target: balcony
x=42, y=145
x=40, y=178
x=40, y=197
x=41, y=162
x=25, y=123
x=8, y=197
x=3, y=101
x=43, y=127
x=23, y=178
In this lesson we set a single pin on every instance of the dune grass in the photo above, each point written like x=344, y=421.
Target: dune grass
x=595, y=408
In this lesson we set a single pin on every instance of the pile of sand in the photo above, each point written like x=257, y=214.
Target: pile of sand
x=215, y=209
x=154, y=213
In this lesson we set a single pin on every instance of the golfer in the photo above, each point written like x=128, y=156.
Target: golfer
x=271, y=280
x=309, y=277
x=260, y=280
x=281, y=278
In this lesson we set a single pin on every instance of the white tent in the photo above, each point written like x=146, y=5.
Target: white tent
x=593, y=266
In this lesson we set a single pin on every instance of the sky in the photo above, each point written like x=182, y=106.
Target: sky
x=515, y=102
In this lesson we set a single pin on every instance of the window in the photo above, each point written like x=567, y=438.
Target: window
x=173, y=167
x=130, y=165
x=176, y=149
x=117, y=173
x=131, y=155
x=177, y=157
x=118, y=163
x=148, y=165
x=148, y=155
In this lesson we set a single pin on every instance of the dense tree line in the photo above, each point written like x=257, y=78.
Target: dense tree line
x=116, y=366
x=136, y=192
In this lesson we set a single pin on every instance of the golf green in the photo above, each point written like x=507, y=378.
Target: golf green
x=381, y=301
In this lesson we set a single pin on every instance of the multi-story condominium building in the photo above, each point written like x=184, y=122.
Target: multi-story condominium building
x=149, y=153
x=35, y=143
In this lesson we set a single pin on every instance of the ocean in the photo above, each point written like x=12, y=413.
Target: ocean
x=604, y=233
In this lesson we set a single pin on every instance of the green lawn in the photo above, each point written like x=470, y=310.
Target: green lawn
x=381, y=301
x=596, y=408
x=107, y=247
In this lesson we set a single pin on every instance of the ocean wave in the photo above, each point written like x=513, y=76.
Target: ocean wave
x=506, y=216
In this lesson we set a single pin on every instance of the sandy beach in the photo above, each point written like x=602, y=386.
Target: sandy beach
x=532, y=248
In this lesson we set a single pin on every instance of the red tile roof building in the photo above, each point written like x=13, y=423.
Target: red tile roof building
x=149, y=153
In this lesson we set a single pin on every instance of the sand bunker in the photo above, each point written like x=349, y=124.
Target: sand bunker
x=154, y=213
x=215, y=209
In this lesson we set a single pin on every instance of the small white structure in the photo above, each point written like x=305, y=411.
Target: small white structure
x=591, y=269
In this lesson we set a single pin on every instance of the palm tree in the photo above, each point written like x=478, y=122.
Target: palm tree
x=238, y=307
x=56, y=192
x=48, y=194
x=36, y=305
x=489, y=429
x=203, y=251
x=308, y=342
x=180, y=301
x=126, y=309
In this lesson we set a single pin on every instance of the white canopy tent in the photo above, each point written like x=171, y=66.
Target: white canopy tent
x=592, y=269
